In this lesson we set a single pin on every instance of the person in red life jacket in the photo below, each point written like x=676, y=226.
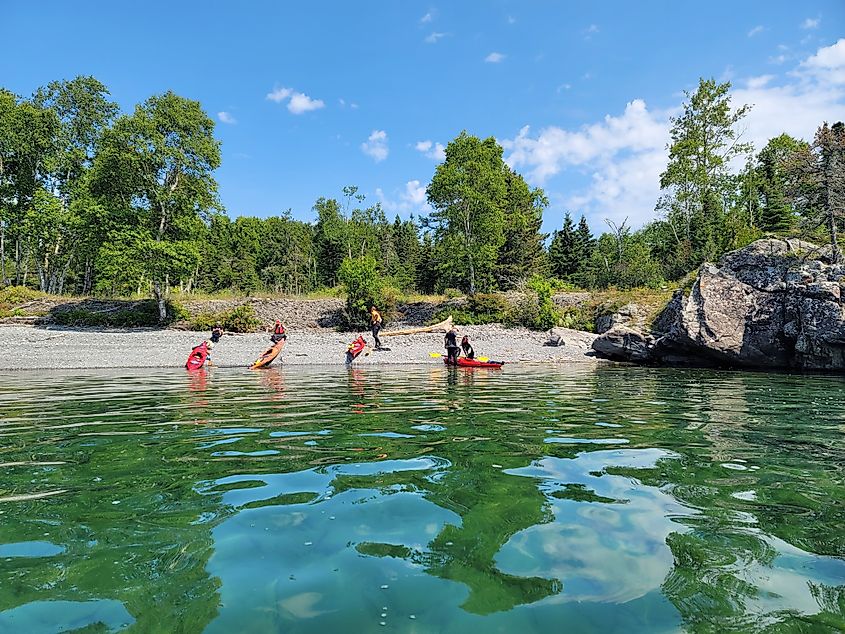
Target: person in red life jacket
x=278, y=332
x=216, y=332
x=375, y=322
x=452, y=348
x=469, y=353
x=354, y=349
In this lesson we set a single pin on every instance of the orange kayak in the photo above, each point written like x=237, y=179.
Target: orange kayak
x=268, y=356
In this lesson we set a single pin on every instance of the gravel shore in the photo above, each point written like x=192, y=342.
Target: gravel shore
x=29, y=347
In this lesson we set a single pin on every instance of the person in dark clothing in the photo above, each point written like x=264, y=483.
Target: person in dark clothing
x=278, y=332
x=375, y=322
x=469, y=353
x=216, y=332
x=452, y=348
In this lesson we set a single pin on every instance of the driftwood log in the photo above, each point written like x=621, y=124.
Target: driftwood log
x=443, y=326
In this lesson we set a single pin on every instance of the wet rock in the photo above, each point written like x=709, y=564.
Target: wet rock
x=625, y=344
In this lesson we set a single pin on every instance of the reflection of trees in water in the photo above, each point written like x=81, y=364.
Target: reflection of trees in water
x=150, y=552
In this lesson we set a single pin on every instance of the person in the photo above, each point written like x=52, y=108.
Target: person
x=469, y=353
x=452, y=349
x=216, y=332
x=375, y=322
x=208, y=347
x=278, y=332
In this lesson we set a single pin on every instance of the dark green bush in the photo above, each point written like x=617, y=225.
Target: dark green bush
x=142, y=314
x=364, y=288
x=239, y=319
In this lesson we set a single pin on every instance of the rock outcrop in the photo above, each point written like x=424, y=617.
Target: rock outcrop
x=772, y=304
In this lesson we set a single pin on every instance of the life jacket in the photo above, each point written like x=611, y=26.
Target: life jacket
x=375, y=317
x=279, y=329
x=356, y=347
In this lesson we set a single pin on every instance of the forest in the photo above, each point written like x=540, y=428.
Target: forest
x=98, y=202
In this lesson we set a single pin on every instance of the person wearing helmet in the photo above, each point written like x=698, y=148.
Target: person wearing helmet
x=469, y=353
x=278, y=332
x=216, y=332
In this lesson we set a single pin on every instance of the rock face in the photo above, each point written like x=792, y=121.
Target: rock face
x=628, y=315
x=772, y=304
x=625, y=344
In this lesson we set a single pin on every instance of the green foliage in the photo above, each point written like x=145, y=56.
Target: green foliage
x=364, y=288
x=468, y=193
x=547, y=315
x=623, y=259
x=19, y=295
x=139, y=315
x=241, y=318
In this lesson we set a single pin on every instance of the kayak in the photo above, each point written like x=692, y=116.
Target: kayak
x=268, y=356
x=463, y=362
x=355, y=348
x=198, y=356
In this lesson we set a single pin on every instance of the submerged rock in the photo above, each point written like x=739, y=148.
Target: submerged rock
x=772, y=304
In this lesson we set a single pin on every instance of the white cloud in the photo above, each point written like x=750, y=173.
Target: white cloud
x=811, y=23
x=756, y=30
x=432, y=38
x=623, y=155
x=593, y=28
x=279, y=94
x=226, y=117
x=428, y=17
x=436, y=151
x=376, y=146
x=300, y=102
x=828, y=64
x=414, y=193
x=494, y=58
x=411, y=199
x=511, y=19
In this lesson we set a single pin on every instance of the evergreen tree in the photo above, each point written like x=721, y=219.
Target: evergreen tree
x=563, y=258
x=522, y=254
x=777, y=213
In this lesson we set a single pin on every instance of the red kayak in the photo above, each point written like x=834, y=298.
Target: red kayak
x=463, y=362
x=268, y=356
x=197, y=357
x=355, y=348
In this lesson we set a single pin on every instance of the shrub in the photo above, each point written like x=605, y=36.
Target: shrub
x=452, y=293
x=360, y=279
x=142, y=314
x=19, y=295
x=535, y=308
x=487, y=307
x=239, y=319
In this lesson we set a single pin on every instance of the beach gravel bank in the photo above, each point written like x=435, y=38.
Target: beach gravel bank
x=36, y=347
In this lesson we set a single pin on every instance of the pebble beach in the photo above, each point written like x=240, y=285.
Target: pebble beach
x=50, y=347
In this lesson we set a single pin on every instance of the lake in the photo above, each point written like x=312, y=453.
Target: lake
x=424, y=499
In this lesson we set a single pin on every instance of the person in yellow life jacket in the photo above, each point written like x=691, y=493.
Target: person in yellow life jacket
x=278, y=332
x=375, y=323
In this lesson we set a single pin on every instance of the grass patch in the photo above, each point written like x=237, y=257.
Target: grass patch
x=20, y=295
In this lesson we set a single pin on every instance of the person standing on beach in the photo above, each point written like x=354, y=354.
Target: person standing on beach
x=452, y=348
x=216, y=332
x=375, y=323
x=278, y=332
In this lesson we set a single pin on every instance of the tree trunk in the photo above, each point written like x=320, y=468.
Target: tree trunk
x=86, y=283
x=3, y=280
x=159, y=296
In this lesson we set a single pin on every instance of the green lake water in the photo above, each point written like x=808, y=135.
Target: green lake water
x=423, y=499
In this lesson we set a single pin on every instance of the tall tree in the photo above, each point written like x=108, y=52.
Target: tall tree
x=772, y=180
x=522, y=254
x=697, y=180
x=159, y=161
x=819, y=189
x=563, y=257
x=468, y=193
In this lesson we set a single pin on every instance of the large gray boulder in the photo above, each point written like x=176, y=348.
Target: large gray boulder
x=772, y=304
x=625, y=344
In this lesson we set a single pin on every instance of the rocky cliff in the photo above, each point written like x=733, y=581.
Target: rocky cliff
x=772, y=304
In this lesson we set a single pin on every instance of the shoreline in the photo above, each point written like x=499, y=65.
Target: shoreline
x=64, y=348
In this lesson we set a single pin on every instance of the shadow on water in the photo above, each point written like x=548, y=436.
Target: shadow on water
x=430, y=499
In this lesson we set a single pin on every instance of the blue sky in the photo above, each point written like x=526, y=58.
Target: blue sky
x=310, y=99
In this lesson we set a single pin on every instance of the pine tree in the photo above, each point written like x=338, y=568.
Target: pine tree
x=562, y=256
